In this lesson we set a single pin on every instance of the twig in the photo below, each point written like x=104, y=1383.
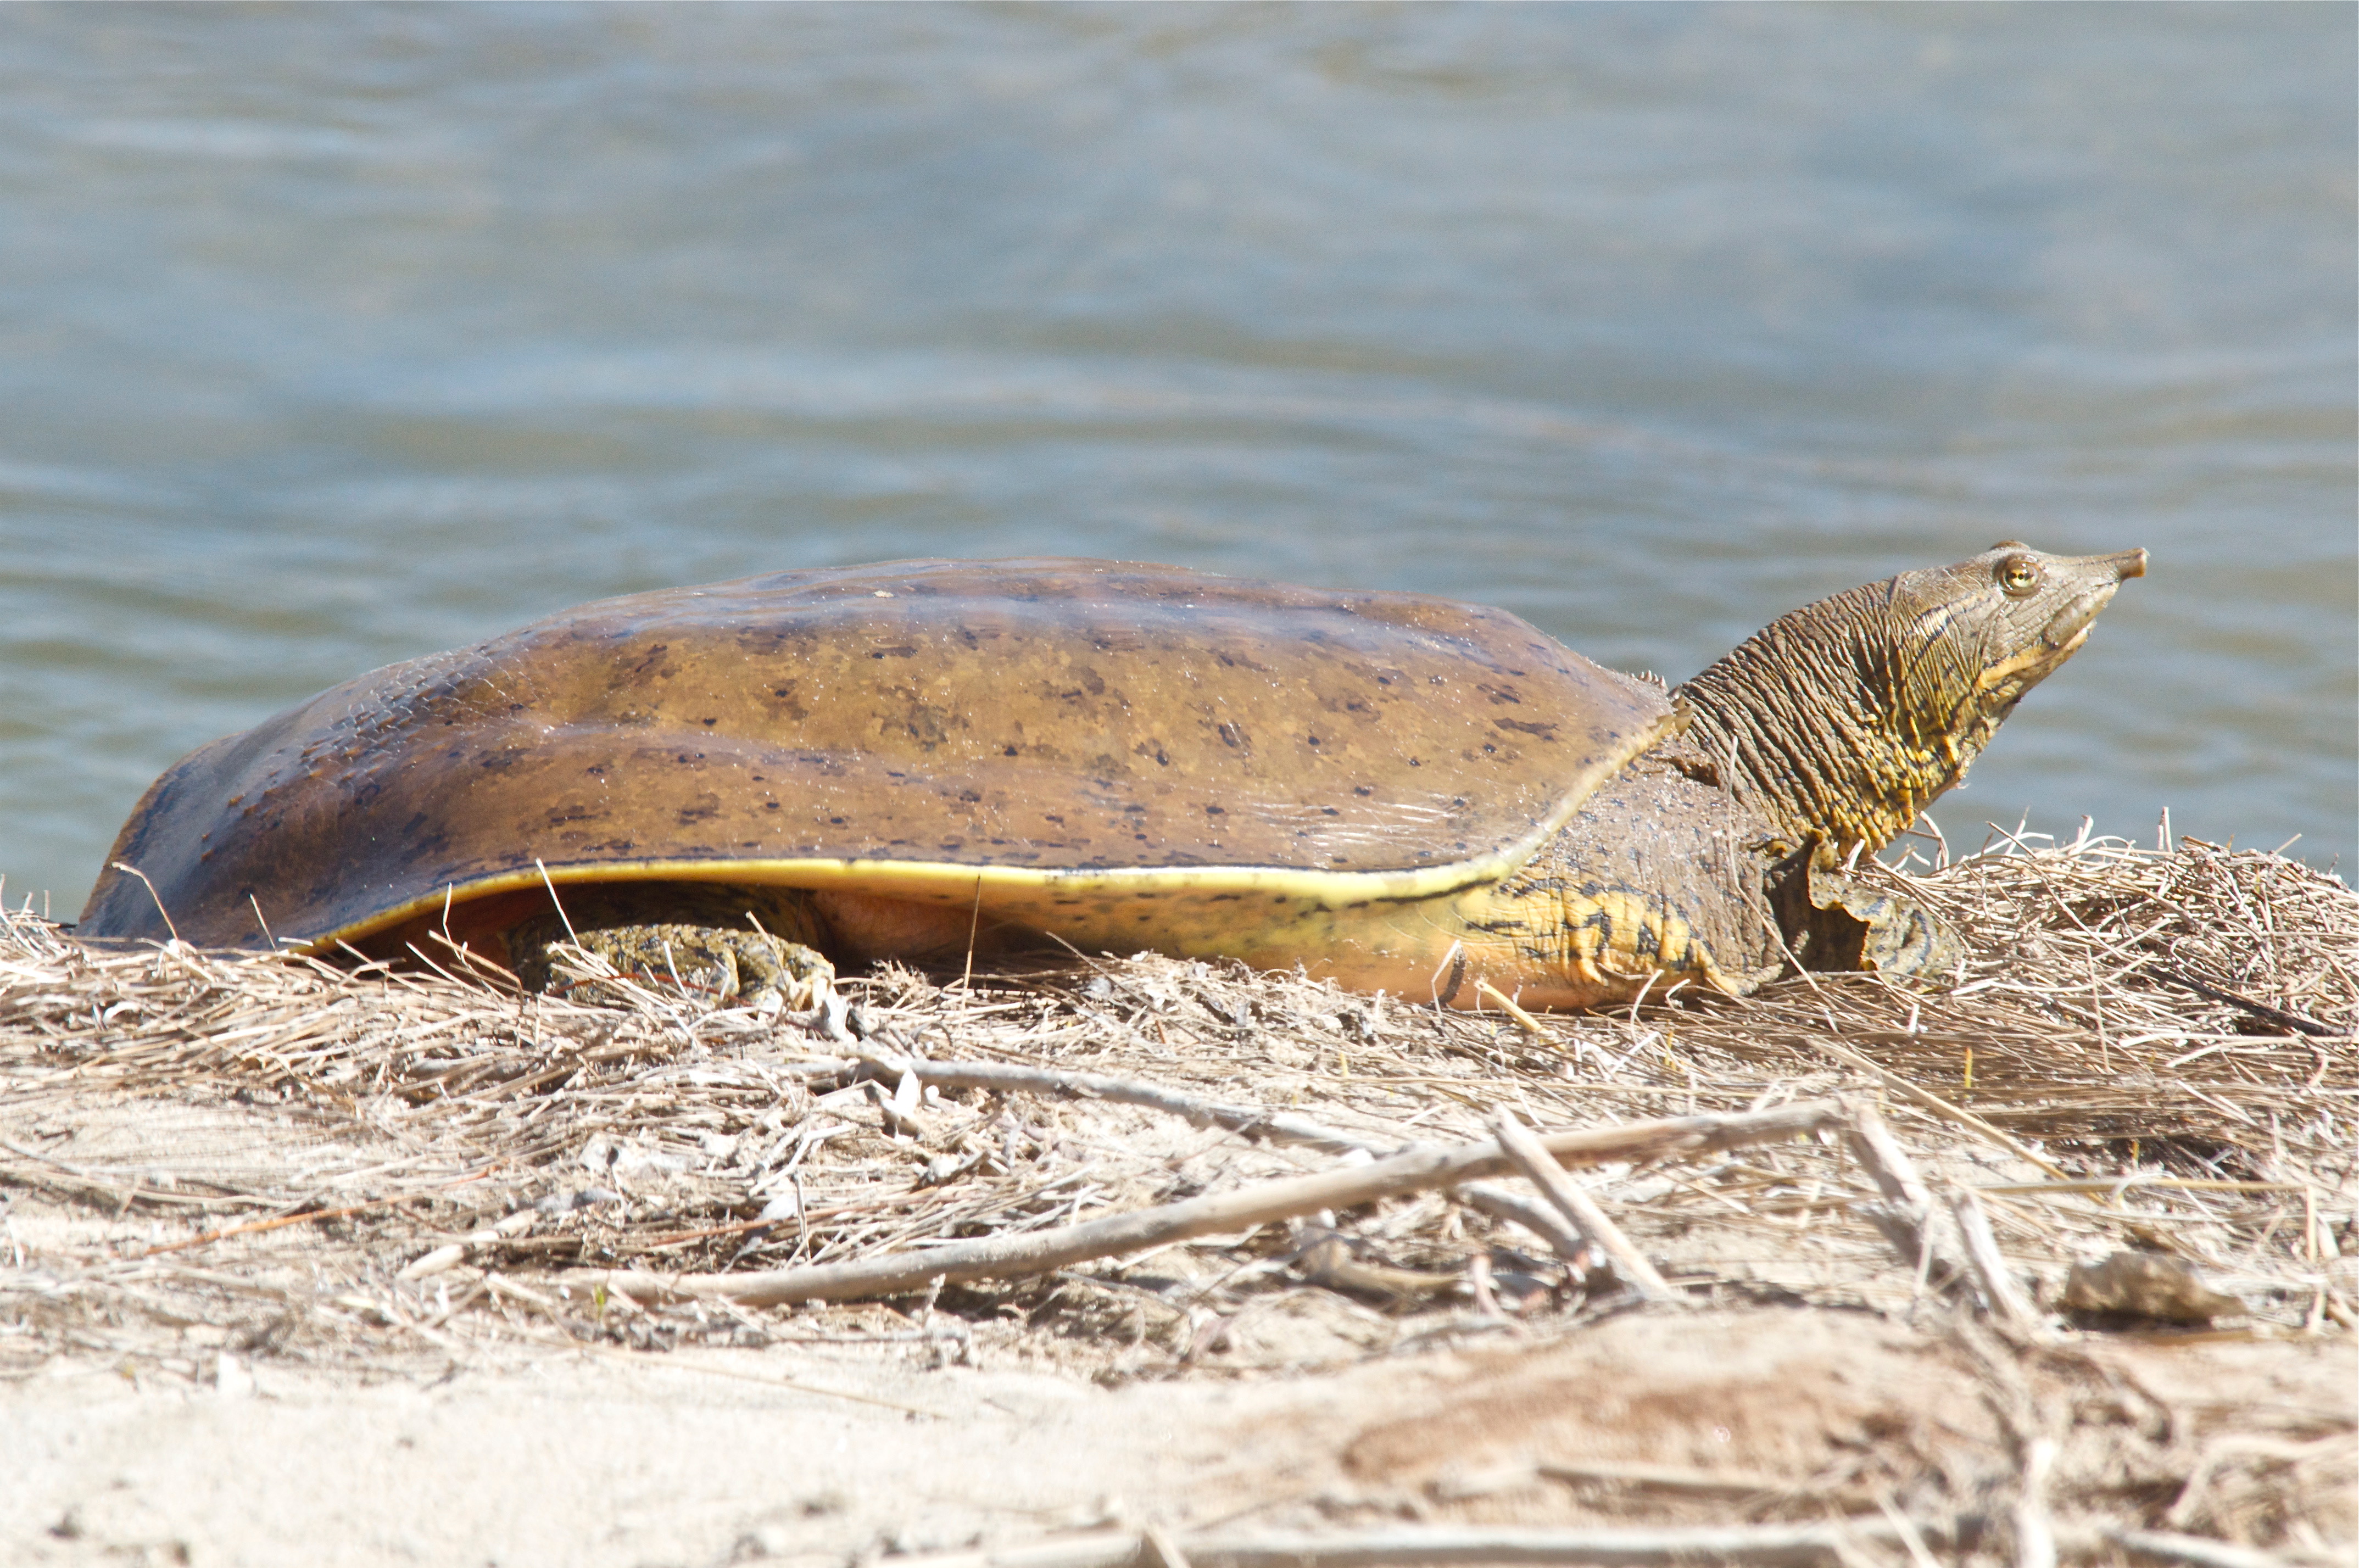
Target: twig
x=2035, y=1538
x=1538, y=1218
x=1252, y=1122
x=1920, y=1231
x=2201, y=1552
x=1097, y=1548
x=2006, y=1300
x=1036, y=1252
x=1160, y=1551
x=709, y=1369
x=1508, y=1006
x=129, y=1192
x=1669, y=1478
x=1580, y=1208
x=1414, y=1546
x=453, y=1253
x=1911, y=1539
x=2261, y=1010
x=1328, y=1262
x=1756, y=1546
x=2113, y=1186
x=129, y=870
x=208, y=1238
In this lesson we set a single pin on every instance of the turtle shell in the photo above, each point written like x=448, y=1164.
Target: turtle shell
x=1025, y=734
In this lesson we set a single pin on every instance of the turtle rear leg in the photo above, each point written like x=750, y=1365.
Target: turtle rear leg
x=735, y=947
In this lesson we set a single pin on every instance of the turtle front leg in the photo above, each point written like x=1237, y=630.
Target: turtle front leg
x=1843, y=923
x=1652, y=885
x=734, y=947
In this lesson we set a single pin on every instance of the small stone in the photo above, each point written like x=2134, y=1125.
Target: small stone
x=2145, y=1285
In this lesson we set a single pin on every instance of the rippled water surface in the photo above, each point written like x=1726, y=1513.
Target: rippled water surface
x=331, y=336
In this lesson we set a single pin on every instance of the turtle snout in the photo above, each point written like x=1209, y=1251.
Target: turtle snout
x=2100, y=576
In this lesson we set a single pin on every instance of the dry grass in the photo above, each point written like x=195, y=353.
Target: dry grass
x=2151, y=1050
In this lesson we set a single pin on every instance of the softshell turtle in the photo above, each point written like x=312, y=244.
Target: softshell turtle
x=925, y=758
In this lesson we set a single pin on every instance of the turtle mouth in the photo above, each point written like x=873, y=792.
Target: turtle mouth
x=2063, y=634
x=2059, y=641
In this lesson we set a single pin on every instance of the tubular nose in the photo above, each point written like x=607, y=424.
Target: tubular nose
x=2128, y=564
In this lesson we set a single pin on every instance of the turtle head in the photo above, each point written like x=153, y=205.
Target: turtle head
x=1848, y=716
x=1987, y=630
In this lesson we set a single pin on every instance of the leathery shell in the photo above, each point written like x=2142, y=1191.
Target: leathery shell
x=1034, y=733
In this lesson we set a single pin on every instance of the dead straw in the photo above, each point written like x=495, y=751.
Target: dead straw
x=2148, y=1051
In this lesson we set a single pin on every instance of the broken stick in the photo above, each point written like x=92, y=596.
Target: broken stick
x=1038, y=1252
x=1580, y=1208
x=1924, y=1234
x=1578, y=1252
x=1829, y=1545
x=2007, y=1303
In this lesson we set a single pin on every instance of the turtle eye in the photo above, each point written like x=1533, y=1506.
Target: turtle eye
x=2020, y=575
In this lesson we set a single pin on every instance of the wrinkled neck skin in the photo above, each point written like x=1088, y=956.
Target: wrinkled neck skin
x=1828, y=731
x=1848, y=717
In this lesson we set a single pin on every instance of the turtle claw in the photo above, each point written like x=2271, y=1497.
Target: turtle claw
x=787, y=976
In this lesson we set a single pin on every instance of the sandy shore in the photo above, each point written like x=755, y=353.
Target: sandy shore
x=300, y=1266
x=708, y=1457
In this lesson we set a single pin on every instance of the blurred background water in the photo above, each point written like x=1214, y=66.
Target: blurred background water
x=329, y=336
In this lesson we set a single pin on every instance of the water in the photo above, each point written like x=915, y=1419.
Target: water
x=331, y=336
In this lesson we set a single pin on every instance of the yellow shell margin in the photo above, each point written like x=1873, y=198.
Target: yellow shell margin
x=951, y=883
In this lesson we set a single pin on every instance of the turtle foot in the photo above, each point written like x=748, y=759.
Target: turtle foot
x=1851, y=925
x=716, y=967
x=718, y=946
x=1903, y=939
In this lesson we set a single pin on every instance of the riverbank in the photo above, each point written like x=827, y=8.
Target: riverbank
x=1140, y=1257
